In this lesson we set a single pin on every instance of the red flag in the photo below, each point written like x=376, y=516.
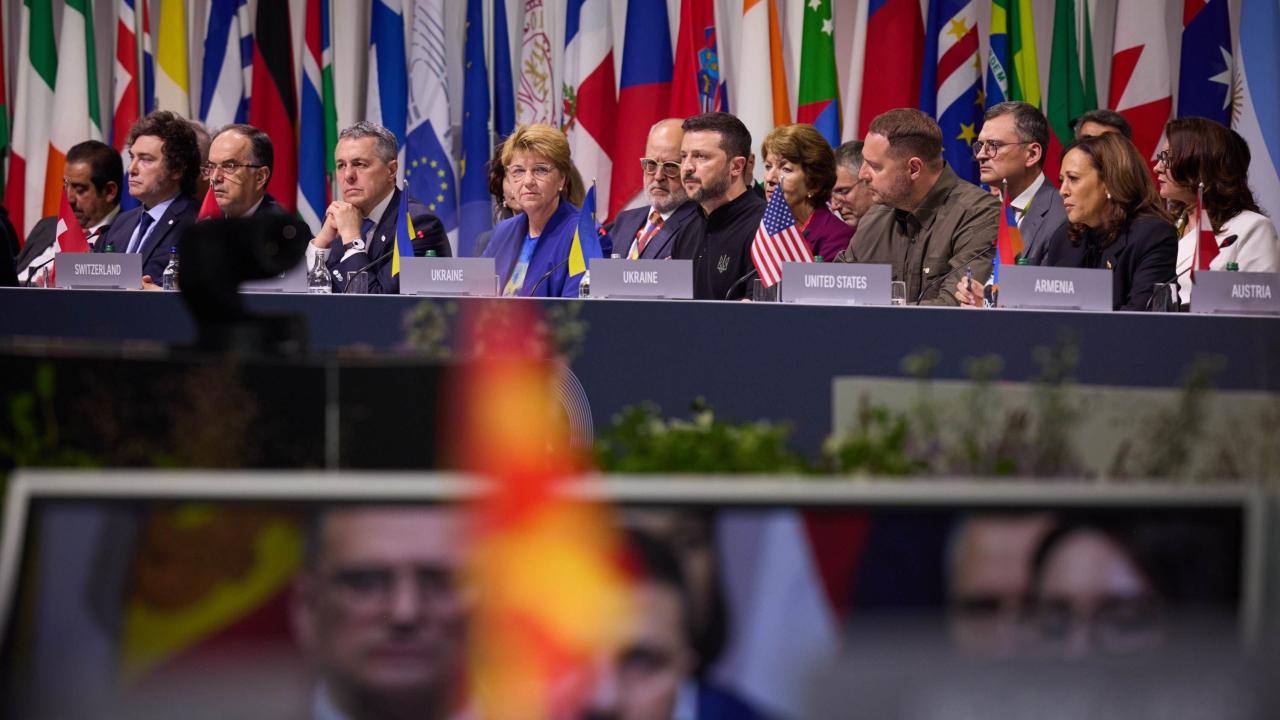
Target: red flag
x=894, y=30
x=69, y=235
x=209, y=209
x=1009, y=237
x=695, y=82
x=273, y=104
x=1206, y=241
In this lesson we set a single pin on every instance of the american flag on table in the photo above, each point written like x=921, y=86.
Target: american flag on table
x=778, y=240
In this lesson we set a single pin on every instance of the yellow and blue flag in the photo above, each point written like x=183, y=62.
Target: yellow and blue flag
x=404, y=234
x=586, y=237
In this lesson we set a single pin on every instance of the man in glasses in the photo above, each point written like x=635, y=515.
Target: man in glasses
x=164, y=163
x=1010, y=151
x=851, y=197
x=239, y=167
x=928, y=225
x=650, y=233
x=380, y=614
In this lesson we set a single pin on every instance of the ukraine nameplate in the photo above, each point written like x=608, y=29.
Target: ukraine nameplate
x=293, y=280
x=1246, y=293
x=99, y=270
x=641, y=279
x=836, y=283
x=450, y=276
x=1055, y=288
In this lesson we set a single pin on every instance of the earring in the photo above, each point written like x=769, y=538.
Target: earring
x=1108, y=195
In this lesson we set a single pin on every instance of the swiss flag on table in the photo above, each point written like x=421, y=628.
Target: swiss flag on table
x=70, y=236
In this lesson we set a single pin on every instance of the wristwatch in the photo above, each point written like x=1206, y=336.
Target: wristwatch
x=357, y=245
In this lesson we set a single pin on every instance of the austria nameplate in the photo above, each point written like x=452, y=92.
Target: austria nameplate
x=1246, y=293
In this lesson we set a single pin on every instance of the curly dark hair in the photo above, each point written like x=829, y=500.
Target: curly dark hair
x=181, y=150
x=1131, y=189
x=1203, y=151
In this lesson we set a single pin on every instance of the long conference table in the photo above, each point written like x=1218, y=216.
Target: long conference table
x=747, y=360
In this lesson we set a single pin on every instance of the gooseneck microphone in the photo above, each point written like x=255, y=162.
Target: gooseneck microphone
x=739, y=281
x=547, y=275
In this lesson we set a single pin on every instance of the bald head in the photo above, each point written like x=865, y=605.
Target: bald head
x=666, y=193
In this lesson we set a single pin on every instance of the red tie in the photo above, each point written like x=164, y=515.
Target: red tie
x=646, y=233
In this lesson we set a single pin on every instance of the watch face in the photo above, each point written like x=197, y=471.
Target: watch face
x=357, y=244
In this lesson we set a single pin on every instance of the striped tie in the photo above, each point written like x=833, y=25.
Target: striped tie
x=645, y=235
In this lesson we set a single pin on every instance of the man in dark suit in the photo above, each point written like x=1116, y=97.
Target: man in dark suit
x=650, y=233
x=363, y=222
x=91, y=179
x=1010, y=152
x=241, y=160
x=164, y=162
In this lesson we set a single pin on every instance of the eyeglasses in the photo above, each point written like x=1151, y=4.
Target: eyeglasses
x=992, y=147
x=1163, y=157
x=669, y=168
x=540, y=172
x=228, y=168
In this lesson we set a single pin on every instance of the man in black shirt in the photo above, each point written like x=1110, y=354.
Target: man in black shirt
x=714, y=155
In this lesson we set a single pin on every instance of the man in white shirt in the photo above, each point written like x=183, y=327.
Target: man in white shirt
x=91, y=179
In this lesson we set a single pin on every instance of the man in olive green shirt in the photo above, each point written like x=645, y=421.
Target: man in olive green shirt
x=928, y=224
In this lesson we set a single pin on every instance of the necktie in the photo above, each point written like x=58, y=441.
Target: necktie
x=366, y=228
x=143, y=225
x=646, y=234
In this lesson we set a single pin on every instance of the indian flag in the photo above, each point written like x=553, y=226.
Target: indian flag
x=33, y=110
x=76, y=110
x=761, y=105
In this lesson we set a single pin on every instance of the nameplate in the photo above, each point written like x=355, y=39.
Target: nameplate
x=99, y=270
x=1245, y=293
x=1055, y=288
x=293, y=280
x=450, y=276
x=836, y=283
x=640, y=279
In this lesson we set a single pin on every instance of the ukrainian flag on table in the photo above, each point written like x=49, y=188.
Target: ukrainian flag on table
x=404, y=234
x=586, y=238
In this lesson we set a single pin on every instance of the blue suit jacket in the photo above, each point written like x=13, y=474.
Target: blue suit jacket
x=550, y=253
x=686, y=220
x=1045, y=214
x=428, y=235
x=155, y=251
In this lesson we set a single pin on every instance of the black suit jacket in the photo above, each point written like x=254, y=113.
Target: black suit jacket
x=1143, y=254
x=270, y=208
x=10, y=241
x=155, y=250
x=1045, y=214
x=38, y=241
x=428, y=235
x=685, y=221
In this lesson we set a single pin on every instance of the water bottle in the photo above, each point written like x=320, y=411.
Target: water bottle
x=318, y=282
x=431, y=253
x=111, y=247
x=584, y=287
x=817, y=258
x=169, y=279
x=1233, y=266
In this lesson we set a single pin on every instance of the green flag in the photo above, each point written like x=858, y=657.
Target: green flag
x=818, y=100
x=1069, y=94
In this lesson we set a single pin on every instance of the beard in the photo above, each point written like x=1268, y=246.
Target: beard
x=899, y=190
x=712, y=189
x=673, y=199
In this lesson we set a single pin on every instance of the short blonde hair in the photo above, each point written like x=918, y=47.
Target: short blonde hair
x=801, y=144
x=539, y=139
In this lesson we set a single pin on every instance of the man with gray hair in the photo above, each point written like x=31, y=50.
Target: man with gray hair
x=651, y=233
x=362, y=220
x=851, y=196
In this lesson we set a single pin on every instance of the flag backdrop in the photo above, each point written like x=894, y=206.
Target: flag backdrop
x=273, y=104
x=37, y=68
x=760, y=82
x=536, y=96
x=474, y=215
x=590, y=99
x=894, y=30
x=76, y=111
x=387, y=85
x=171, y=56
x=1259, y=117
x=643, y=95
x=695, y=82
x=4, y=108
x=818, y=101
x=133, y=92
x=318, y=120
x=1012, y=70
x=1072, y=91
x=428, y=164
x=1140, y=71
x=504, y=91
x=1205, y=72
x=228, y=64
x=950, y=81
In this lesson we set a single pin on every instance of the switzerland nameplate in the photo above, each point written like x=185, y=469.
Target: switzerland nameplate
x=99, y=270
x=293, y=280
x=1246, y=293
x=1055, y=288
x=450, y=276
x=836, y=283
x=641, y=279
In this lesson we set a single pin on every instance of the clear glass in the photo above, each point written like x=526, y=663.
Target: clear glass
x=897, y=293
x=584, y=286
x=760, y=293
x=1164, y=297
x=318, y=282
x=358, y=284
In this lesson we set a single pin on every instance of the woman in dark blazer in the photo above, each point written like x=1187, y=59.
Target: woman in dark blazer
x=1115, y=219
x=800, y=162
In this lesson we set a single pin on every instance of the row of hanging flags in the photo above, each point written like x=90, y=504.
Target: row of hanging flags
x=931, y=61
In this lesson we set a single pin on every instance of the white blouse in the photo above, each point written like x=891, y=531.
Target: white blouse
x=1256, y=249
